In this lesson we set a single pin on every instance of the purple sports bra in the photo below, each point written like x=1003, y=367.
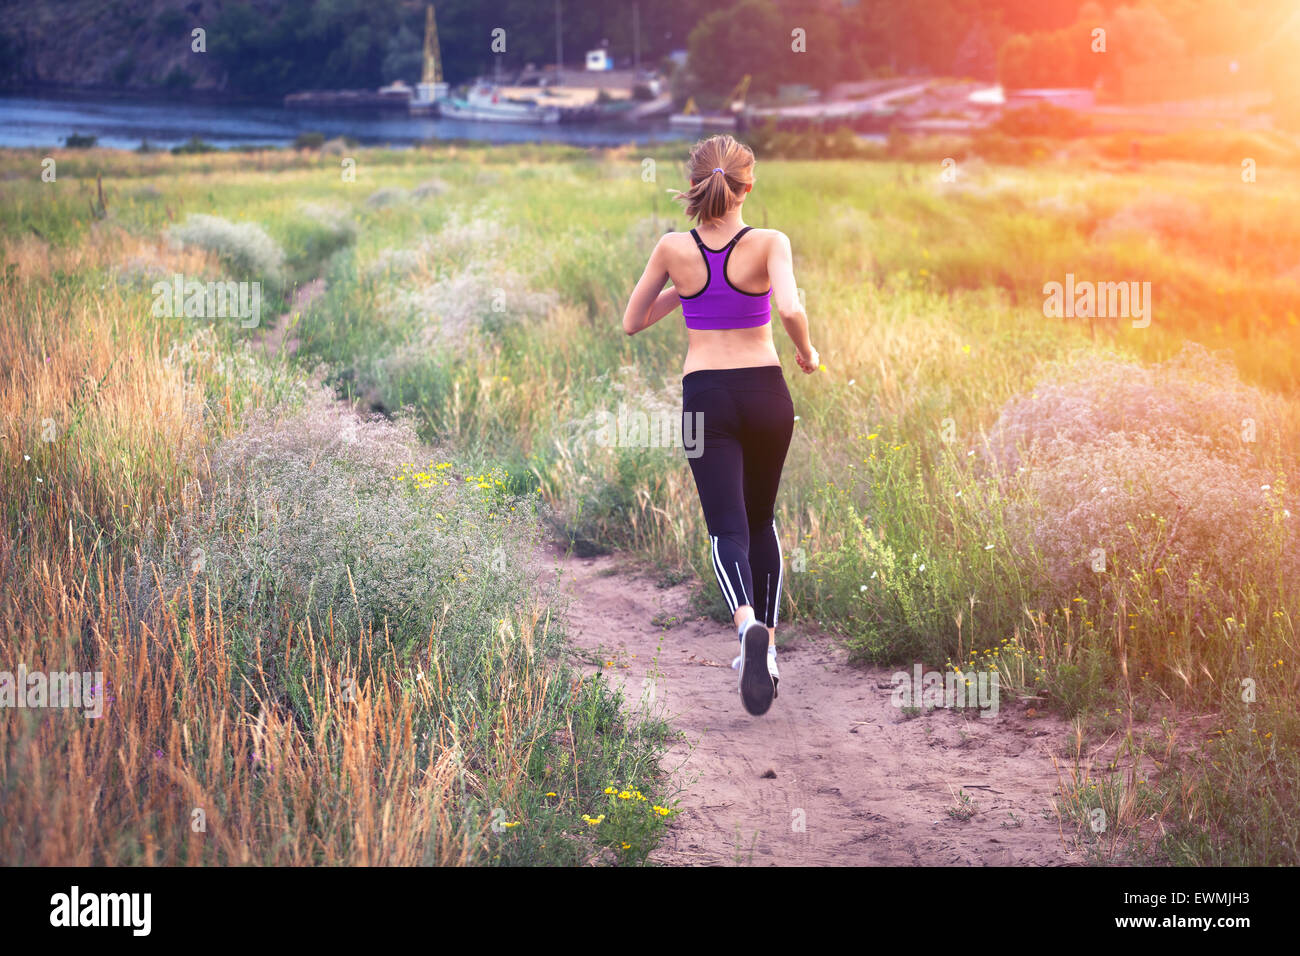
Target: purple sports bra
x=720, y=305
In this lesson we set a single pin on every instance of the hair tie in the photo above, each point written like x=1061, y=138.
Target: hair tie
x=719, y=169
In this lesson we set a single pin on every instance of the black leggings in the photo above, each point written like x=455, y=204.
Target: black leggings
x=736, y=428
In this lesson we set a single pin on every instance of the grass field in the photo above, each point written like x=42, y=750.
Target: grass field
x=321, y=634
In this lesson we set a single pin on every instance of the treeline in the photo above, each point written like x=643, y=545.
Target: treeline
x=265, y=48
x=364, y=43
x=271, y=47
x=853, y=41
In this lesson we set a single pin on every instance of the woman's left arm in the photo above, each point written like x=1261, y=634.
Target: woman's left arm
x=650, y=301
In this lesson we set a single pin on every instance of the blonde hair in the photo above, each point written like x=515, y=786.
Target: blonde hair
x=713, y=194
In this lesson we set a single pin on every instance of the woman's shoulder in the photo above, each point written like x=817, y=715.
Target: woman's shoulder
x=673, y=243
x=669, y=240
x=685, y=242
x=769, y=240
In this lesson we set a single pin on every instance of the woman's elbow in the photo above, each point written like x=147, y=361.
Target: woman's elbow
x=791, y=311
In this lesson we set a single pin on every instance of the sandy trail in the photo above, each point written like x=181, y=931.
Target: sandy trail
x=869, y=785
x=833, y=774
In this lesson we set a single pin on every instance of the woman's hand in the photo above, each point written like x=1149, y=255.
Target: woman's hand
x=808, y=363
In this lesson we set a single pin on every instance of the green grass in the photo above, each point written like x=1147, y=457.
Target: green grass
x=926, y=302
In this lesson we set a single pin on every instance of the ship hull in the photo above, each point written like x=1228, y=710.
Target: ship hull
x=460, y=109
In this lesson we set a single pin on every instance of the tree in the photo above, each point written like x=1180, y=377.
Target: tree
x=745, y=38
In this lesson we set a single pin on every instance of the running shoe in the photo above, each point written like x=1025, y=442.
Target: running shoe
x=756, y=686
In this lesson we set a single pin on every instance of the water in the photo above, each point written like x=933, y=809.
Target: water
x=45, y=120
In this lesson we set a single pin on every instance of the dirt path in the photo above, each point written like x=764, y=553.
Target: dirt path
x=869, y=785
x=282, y=333
x=833, y=774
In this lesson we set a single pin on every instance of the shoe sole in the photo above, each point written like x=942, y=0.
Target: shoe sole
x=756, y=690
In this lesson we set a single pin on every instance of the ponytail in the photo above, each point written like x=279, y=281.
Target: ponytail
x=719, y=168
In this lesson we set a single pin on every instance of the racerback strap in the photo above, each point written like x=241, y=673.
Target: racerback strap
x=734, y=239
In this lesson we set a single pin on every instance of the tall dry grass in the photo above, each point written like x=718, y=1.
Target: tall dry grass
x=246, y=724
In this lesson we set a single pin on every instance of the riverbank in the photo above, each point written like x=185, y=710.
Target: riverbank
x=117, y=122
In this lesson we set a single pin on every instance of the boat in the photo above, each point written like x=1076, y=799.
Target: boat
x=484, y=101
x=703, y=120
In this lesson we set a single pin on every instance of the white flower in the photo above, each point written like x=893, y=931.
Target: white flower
x=958, y=494
x=971, y=452
x=41, y=480
x=796, y=418
x=988, y=547
x=873, y=574
x=27, y=457
x=1263, y=487
x=921, y=568
x=852, y=380
x=864, y=587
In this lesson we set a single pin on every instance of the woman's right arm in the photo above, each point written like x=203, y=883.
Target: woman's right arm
x=650, y=301
x=780, y=268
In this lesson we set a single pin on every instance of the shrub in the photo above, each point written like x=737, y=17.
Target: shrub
x=431, y=187
x=395, y=263
x=338, y=146
x=1152, y=214
x=319, y=233
x=307, y=507
x=192, y=146
x=454, y=311
x=1170, y=516
x=1196, y=393
x=243, y=246
x=178, y=80
x=1159, y=468
x=388, y=196
x=1042, y=119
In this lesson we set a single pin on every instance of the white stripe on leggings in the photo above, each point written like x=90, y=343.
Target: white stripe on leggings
x=780, y=572
x=727, y=593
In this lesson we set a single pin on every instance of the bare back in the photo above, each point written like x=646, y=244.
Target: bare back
x=747, y=271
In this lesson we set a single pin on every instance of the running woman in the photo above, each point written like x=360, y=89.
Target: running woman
x=733, y=387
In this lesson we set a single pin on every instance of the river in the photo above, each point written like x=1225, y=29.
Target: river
x=39, y=120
